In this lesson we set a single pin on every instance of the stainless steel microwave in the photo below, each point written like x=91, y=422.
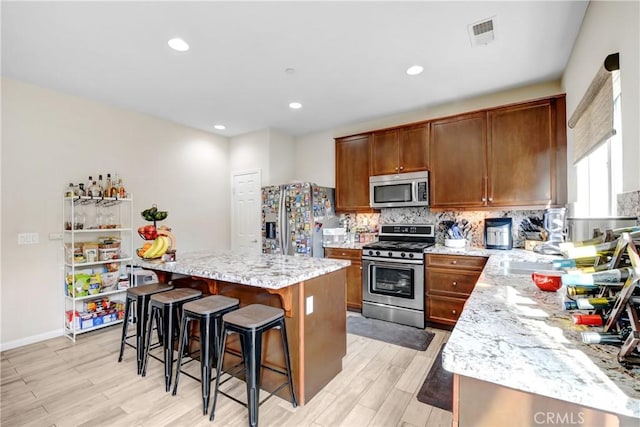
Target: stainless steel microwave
x=401, y=190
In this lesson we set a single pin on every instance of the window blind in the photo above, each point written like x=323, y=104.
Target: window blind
x=592, y=121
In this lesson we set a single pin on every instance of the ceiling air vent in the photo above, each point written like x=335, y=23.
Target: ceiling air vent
x=482, y=33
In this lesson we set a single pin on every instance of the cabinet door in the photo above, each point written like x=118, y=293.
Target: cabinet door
x=384, y=153
x=414, y=148
x=352, y=174
x=458, y=161
x=522, y=155
x=354, y=286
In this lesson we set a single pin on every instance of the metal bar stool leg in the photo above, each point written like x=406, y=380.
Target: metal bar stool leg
x=222, y=344
x=207, y=352
x=184, y=330
x=168, y=341
x=252, y=362
x=125, y=327
x=285, y=346
x=147, y=339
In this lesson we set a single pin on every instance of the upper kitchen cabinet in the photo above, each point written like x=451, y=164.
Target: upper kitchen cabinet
x=458, y=160
x=400, y=150
x=510, y=156
x=527, y=152
x=352, y=173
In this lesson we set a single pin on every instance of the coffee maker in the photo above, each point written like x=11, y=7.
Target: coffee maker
x=554, y=224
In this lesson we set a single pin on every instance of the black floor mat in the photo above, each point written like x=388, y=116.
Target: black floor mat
x=437, y=389
x=392, y=333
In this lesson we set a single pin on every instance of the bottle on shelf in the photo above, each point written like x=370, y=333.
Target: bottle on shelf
x=605, y=277
x=114, y=187
x=107, y=186
x=95, y=190
x=602, y=249
x=594, y=319
x=70, y=190
x=100, y=186
x=88, y=185
x=599, y=303
x=122, y=193
x=606, y=337
x=81, y=191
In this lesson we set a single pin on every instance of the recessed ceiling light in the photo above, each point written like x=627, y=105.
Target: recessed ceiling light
x=414, y=70
x=295, y=105
x=220, y=127
x=178, y=44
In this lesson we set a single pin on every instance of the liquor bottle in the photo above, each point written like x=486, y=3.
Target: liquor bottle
x=595, y=319
x=100, y=186
x=604, y=277
x=114, y=187
x=599, y=303
x=87, y=186
x=122, y=193
x=606, y=337
x=601, y=249
x=107, y=186
x=95, y=190
x=81, y=191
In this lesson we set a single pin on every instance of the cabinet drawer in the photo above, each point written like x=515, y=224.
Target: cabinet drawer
x=456, y=261
x=340, y=253
x=456, y=283
x=444, y=309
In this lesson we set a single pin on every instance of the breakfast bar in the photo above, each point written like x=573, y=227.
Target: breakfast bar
x=312, y=292
x=518, y=359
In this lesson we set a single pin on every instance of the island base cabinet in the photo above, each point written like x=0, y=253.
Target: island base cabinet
x=482, y=404
x=354, y=275
x=317, y=338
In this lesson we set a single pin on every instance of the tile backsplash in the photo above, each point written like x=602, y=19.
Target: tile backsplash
x=421, y=215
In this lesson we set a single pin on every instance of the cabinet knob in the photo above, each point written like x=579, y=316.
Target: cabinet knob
x=454, y=283
x=396, y=168
x=343, y=254
x=454, y=262
x=454, y=312
x=484, y=199
x=360, y=268
x=491, y=199
x=401, y=167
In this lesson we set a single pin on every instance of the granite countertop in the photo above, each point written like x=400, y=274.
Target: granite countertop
x=514, y=335
x=261, y=270
x=345, y=245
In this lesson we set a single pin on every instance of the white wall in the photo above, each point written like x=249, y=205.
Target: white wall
x=315, y=153
x=250, y=151
x=50, y=139
x=608, y=27
x=281, y=157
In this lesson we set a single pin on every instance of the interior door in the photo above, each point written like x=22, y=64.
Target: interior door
x=246, y=212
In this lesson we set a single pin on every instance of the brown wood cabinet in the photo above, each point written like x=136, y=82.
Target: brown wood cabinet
x=400, y=150
x=352, y=173
x=458, y=150
x=354, y=274
x=511, y=156
x=449, y=280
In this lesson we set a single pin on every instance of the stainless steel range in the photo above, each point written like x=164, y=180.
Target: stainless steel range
x=393, y=273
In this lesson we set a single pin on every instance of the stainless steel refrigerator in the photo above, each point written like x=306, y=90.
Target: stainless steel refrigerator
x=293, y=216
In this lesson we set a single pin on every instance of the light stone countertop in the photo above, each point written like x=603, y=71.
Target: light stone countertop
x=512, y=334
x=345, y=245
x=261, y=270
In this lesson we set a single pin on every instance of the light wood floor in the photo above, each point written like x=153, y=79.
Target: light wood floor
x=59, y=383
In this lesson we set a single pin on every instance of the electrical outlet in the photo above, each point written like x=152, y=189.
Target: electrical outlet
x=28, y=238
x=309, y=305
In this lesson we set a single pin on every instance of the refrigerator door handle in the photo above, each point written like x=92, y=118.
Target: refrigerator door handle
x=284, y=226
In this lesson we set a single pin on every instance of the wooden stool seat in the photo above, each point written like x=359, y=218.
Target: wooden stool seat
x=253, y=316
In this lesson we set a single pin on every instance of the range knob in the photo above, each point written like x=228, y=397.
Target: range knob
x=370, y=252
x=390, y=254
x=410, y=255
x=403, y=255
x=377, y=253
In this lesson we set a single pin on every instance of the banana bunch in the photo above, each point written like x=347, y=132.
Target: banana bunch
x=153, y=214
x=164, y=241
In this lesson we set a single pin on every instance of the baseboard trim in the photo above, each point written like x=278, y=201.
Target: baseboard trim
x=31, y=340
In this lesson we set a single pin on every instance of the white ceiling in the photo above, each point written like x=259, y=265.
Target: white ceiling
x=349, y=57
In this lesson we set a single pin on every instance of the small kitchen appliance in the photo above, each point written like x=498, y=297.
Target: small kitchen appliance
x=293, y=218
x=554, y=225
x=393, y=286
x=400, y=190
x=497, y=233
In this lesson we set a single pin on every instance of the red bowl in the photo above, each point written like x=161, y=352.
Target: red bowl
x=548, y=281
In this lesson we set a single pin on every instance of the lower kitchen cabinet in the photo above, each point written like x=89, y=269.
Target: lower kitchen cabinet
x=354, y=274
x=449, y=280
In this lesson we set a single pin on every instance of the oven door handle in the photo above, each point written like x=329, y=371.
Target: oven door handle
x=391, y=263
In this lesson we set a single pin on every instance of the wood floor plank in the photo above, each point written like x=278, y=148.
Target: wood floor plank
x=61, y=383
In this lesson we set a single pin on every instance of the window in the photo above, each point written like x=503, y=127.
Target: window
x=599, y=174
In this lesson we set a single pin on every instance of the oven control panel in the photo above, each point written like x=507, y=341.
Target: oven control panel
x=396, y=256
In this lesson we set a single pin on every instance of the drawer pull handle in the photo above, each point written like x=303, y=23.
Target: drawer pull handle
x=454, y=312
x=454, y=283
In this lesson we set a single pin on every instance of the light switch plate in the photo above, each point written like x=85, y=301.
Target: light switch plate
x=28, y=238
x=309, y=305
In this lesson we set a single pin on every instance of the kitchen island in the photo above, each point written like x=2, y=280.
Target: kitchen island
x=310, y=290
x=518, y=360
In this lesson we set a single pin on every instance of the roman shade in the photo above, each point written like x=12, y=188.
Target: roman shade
x=592, y=121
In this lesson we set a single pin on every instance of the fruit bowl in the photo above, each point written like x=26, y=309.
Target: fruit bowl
x=547, y=281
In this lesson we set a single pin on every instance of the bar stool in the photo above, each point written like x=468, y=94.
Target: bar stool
x=139, y=296
x=208, y=311
x=168, y=305
x=250, y=323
